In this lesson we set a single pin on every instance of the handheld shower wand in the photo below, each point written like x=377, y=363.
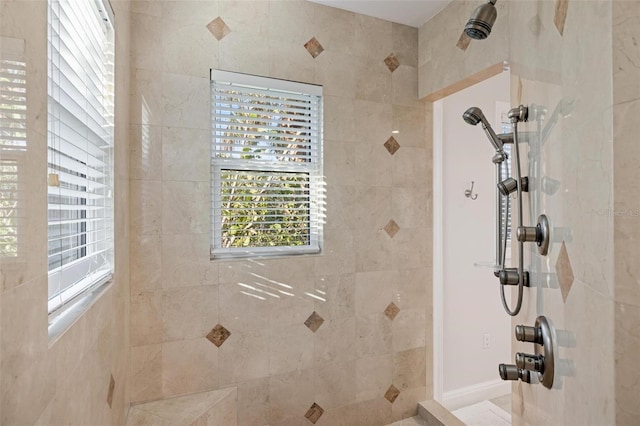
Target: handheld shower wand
x=474, y=116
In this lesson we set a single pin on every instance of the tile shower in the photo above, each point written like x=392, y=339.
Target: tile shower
x=341, y=338
x=335, y=337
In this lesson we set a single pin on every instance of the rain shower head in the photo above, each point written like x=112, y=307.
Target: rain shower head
x=474, y=116
x=481, y=21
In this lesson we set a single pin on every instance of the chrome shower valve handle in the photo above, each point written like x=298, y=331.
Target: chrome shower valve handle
x=539, y=234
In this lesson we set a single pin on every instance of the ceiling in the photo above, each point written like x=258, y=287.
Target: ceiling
x=408, y=12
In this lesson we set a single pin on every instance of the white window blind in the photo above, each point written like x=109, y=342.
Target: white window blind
x=13, y=143
x=266, y=169
x=80, y=148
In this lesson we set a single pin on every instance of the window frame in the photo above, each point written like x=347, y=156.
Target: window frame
x=71, y=280
x=313, y=168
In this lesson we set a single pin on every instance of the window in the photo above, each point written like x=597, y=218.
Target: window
x=80, y=148
x=266, y=166
x=13, y=144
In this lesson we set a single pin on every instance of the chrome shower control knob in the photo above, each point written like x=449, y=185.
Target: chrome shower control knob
x=509, y=185
x=510, y=276
x=512, y=372
x=525, y=333
x=530, y=362
x=539, y=234
x=508, y=372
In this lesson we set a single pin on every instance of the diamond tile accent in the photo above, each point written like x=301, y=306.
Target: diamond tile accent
x=564, y=272
x=112, y=386
x=535, y=25
x=561, y=15
x=392, y=311
x=314, y=322
x=314, y=47
x=463, y=41
x=314, y=413
x=218, y=28
x=392, y=145
x=392, y=62
x=391, y=228
x=391, y=394
x=218, y=335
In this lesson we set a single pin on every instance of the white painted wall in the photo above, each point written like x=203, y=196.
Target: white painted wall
x=471, y=305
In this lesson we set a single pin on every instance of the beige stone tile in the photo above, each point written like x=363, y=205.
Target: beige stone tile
x=188, y=366
x=409, y=329
x=409, y=369
x=374, y=292
x=145, y=321
x=336, y=72
x=146, y=373
x=146, y=107
x=190, y=312
x=625, y=53
x=339, y=115
x=338, y=254
x=145, y=160
x=185, y=208
x=148, y=7
x=405, y=44
x=373, y=335
x=292, y=24
x=410, y=122
x=291, y=62
x=342, y=416
x=410, y=248
x=374, y=80
x=627, y=341
x=145, y=207
x=409, y=167
x=186, y=101
x=373, y=38
x=245, y=53
x=201, y=55
x=406, y=405
x=243, y=311
x=335, y=384
x=335, y=28
x=372, y=207
x=404, y=86
x=243, y=357
x=27, y=392
x=409, y=207
x=146, y=262
x=334, y=341
x=186, y=154
x=373, y=122
x=290, y=349
x=338, y=292
x=373, y=376
x=192, y=11
x=145, y=43
x=290, y=396
x=185, y=261
x=375, y=252
x=338, y=168
x=374, y=412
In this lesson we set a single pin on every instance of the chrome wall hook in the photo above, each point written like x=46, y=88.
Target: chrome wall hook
x=469, y=192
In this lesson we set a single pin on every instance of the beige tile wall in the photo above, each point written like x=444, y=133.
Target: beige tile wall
x=68, y=381
x=626, y=97
x=178, y=295
x=279, y=365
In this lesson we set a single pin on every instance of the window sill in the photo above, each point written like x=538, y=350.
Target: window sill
x=65, y=320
